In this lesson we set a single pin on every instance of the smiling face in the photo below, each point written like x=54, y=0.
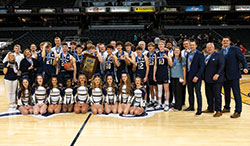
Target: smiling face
x=109, y=51
x=25, y=83
x=151, y=48
x=142, y=44
x=82, y=79
x=68, y=83
x=161, y=46
x=54, y=81
x=11, y=57
x=137, y=81
x=65, y=48
x=226, y=42
x=27, y=53
x=17, y=49
x=210, y=49
x=186, y=45
x=97, y=81
x=124, y=78
x=79, y=50
x=39, y=80
x=193, y=46
x=102, y=48
x=57, y=41
x=128, y=48
x=33, y=47
x=177, y=51
x=109, y=80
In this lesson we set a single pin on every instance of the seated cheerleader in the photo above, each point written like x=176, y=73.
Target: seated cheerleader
x=111, y=102
x=81, y=95
x=125, y=91
x=68, y=98
x=54, y=96
x=39, y=96
x=25, y=97
x=137, y=102
x=96, y=95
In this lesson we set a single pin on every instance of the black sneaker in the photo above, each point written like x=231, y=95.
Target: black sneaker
x=198, y=113
x=189, y=109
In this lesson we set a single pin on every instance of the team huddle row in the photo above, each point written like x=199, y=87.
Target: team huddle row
x=125, y=73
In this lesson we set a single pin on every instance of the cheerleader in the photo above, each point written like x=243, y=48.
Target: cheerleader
x=24, y=98
x=68, y=97
x=137, y=102
x=81, y=95
x=96, y=94
x=125, y=91
x=161, y=73
x=111, y=102
x=54, y=96
x=39, y=96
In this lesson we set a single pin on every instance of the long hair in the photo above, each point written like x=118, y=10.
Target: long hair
x=35, y=85
x=22, y=90
x=79, y=83
x=107, y=85
x=180, y=58
x=128, y=85
x=50, y=83
x=93, y=85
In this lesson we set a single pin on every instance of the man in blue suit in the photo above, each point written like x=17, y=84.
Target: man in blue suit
x=195, y=67
x=214, y=78
x=233, y=56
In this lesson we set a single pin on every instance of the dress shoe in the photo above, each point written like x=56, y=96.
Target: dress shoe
x=226, y=110
x=208, y=111
x=198, y=113
x=235, y=115
x=189, y=109
x=218, y=114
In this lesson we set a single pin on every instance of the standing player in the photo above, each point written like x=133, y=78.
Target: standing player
x=130, y=59
x=161, y=73
x=152, y=84
x=72, y=50
x=120, y=56
x=111, y=60
x=58, y=47
x=78, y=57
x=62, y=71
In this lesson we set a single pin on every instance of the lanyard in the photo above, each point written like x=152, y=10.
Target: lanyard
x=151, y=56
x=108, y=59
x=59, y=50
x=50, y=53
x=78, y=59
x=161, y=55
x=129, y=53
x=175, y=62
x=137, y=59
x=64, y=58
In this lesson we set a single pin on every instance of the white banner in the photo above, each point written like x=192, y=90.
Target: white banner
x=120, y=9
x=71, y=10
x=220, y=8
x=96, y=9
x=242, y=8
x=47, y=10
x=23, y=11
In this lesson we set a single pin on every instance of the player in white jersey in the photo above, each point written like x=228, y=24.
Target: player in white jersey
x=81, y=95
x=39, y=96
x=54, y=96
x=25, y=104
x=68, y=96
x=137, y=102
x=111, y=101
x=125, y=91
x=96, y=95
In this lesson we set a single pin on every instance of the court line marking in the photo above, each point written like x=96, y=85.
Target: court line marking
x=80, y=131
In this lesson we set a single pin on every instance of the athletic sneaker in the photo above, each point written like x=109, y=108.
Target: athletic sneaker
x=150, y=104
x=150, y=108
x=158, y=106
x=166, y=108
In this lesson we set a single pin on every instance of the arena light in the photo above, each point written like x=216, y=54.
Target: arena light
x=242, y=8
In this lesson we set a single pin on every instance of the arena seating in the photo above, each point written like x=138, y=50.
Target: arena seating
x=48, y=3
x=194, y=2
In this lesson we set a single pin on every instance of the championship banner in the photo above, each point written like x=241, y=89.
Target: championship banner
x=144, y=9
x=166, y=9
x=96, y=9
x=22, y=11
x=47, y=10
x=242, y=8
x=220, y=8
x=71, y=10
x=194, y=8
x=120, y=9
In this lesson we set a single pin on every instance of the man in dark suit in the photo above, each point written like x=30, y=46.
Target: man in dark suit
x=233, y=56
x=195, y=68
x=214, y=78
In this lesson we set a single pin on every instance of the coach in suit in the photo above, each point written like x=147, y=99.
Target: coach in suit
x=233, y=56
x=214, y=78
x=195, y=67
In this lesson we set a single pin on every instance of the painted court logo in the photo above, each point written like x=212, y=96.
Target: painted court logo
x=17, y=113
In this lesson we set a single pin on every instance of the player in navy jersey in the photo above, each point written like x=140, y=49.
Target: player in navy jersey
x=121, y=59
x=54, y=94
x=161, y=73
x=125, y=93
x=130, y=59
x=78, y=55
x=111, y=100
x=48, y=57
x=39, y=96
x=137, y=102
x=25, y=103
x=97, y=95
x=81, y=95
x=111, y=60
x=73, y=46
x=68, y=96
x=142, y=64
x=152, y=84
x=92, y=51
x=61, y=60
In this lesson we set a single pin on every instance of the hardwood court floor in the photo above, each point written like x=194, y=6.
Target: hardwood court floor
x=162, y=128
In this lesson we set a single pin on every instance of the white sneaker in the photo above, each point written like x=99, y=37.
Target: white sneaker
x=14, y=106
x=158, y=106
x=166, y=108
